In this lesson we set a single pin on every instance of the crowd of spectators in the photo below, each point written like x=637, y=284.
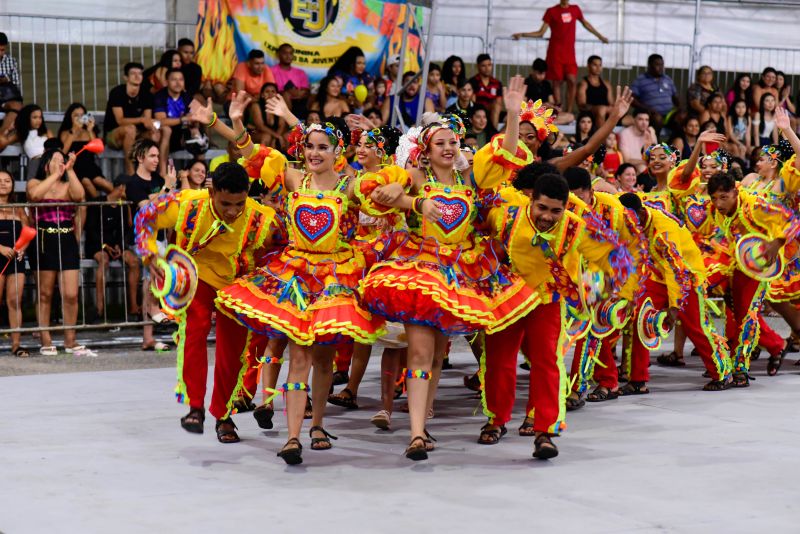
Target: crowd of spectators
x=148, y=118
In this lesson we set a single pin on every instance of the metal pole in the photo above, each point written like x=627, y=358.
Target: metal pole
x=398, y=83
x=695, y=50
x=488, y=43
x=620, y=39
x=426, y=63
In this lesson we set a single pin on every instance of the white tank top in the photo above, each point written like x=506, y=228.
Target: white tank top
x=34, y=144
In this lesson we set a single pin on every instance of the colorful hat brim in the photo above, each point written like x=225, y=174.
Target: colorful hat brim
x=608, y=316
x=650, y=324
x=172, y=301
x=746, y=248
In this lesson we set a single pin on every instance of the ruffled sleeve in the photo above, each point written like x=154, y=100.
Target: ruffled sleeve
x=158, y=214
x=367, y=183
x=267, y=165
x=777, y=221
x=790, y=175
x=493, y=166
x=681, y=187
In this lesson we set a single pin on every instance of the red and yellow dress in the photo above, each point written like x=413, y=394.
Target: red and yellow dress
x=309, y=290
x=444, y=274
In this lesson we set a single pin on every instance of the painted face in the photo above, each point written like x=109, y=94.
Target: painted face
x=443, y=148
x=319, y=152
x=726, y=201
x=545, y=212
x=529, y=137
x=367, y=153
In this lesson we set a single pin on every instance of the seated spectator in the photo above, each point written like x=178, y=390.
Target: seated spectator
x=635, y=138
x=351, y=68
x=785, y=98
x=470, y=142
x=626, y=179
x=613, y=158
x=329, y=101
x=715, y=111
x=76, y=130
x=738, y=130
x=129, y=114
x=171, y=109
x=195, y=176
x=231, y=154
x=55, y=249
x=740, y=90
x=381, y=92
x=464, y=103
x=374, y=116
x=595, y=93
x=268, y=129
x=655, y=92
x=686, y=139
x=251, y=75
x=765, y=85
x=292, y=82
x=32, y=132
x=408, y=102
x=12, y=281
x=764, y=122
x=10, y=95
x=192, y=72
x=698, y=93
x=390, y=72
x=314, y=117
x=584, y=128
x=645, y=182
x=155, y=77
x=434, y=89
x=538, y=88
x=453, y=75
x=479, y=126
x=488, y=89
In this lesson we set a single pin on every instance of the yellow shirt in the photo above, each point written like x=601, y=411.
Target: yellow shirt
x=222, y=252
x=494, y=167
x=673, y=198
x=219, y=160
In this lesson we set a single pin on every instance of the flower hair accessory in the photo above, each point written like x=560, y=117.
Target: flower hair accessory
x=301, y=132
x=540, y=117
x=408, y=148
x=672, y=153
x=780, y=152
x=720, y=158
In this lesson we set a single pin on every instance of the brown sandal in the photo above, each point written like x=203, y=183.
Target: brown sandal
x=417, y=452
x=544, y=447
x=345, y=399
x=490, y=436
x=526, y=429
x=226, y=431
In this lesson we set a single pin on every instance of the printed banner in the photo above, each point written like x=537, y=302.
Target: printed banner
x=319, y=30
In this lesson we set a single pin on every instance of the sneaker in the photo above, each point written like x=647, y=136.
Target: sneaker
x=80, y=350
x=382, y=420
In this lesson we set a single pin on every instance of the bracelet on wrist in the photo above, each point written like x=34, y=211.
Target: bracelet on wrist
x=213, y=120
x=244, y=143
x=241, y=135
x=416, y=207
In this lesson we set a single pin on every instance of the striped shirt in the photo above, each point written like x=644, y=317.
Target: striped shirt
x=9, y=69
x=654, y=92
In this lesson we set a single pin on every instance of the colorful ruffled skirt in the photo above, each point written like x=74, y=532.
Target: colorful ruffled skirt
x=456, y=289
x=309, y=297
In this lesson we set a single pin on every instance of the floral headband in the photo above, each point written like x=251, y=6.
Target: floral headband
x=416, y=140
x=374, y=137
x=672, y=153
x=300, y=133
x=780, y=152
x=720, y=157
x=540, y=117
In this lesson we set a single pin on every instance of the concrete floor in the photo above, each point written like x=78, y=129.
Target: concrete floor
x=102, y=451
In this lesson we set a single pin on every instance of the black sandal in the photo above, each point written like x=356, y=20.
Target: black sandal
x=774, y=362
x=622, y=376
x=740, y=380
x=228, y=433
x=417, y=452
x=19, y=352
x=526, y=429
x=793, y=344
x=263, y=416
x=292, y=455
x=315, y=442
x=671, y=360
x=472, y=383
x=602, y=394
x=429, y=441
x=340, y=377
x=345, y=399
x=492, y=436
x=544, y=447
x=193, y=421
x=243, y=404
x=573, y=403
x=718, y=385
x=634, y=388
x=755, y=354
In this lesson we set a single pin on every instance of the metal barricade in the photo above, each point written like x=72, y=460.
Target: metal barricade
x=68, y=59
x=622, y=60
x=97, y=235
x=467, y=47
x=729, y=61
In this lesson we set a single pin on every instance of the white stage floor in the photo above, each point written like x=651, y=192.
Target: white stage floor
x=90, y=452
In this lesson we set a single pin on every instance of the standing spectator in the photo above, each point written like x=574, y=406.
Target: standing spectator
x=10, y=94
x=463, y=103
x=636, y=137
x=488, y=89
x=269, y=128
x=655, y=92
x=741, y=90
x=155, y=77
x=12, y=220
x=538, y=88
x=56, y=253
x=703, y=87
x=195, y=176
x=453, y=75
x=291, y=81
x=129, y=114
x=561, y=62
x=434, y=89
x=192, y=72
x=32, y=132
x=329, y=101
x=171, y=109
x=480, y=128
x=76, y=130
x=764, y=122
x=594, y=93
x=408, y=102
x=251, y=75
x=766, y=84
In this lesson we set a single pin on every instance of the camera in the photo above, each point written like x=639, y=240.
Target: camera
x=86, y=118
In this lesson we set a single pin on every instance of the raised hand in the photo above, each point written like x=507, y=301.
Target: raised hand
x=200, y=113
x=782, y=119
x=239, y=105
x=277, y=106
x=70, y=162
x=623, y=102
x=514, y=94
x=711, y=137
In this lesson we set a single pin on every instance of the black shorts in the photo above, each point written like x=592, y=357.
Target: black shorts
x=54, y=249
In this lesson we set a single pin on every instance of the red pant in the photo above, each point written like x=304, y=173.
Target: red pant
x=692, y=318
x=344, y=355
x=584, y=367
x=540, y=331
x=253, y=373
x=233, y=342
x=747, y=296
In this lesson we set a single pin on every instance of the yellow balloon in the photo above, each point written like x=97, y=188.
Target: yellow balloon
x=360, y=92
